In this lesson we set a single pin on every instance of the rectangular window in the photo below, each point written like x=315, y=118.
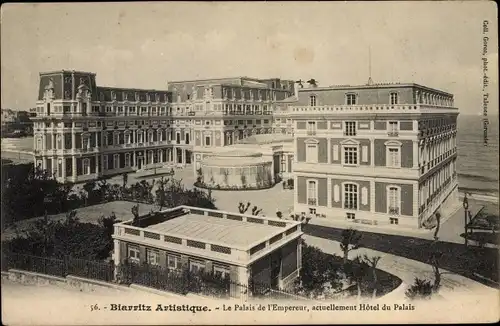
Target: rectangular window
x=312, y=195
x=392, y=128
x=393, y=200
x=350, y=155
x=394, y=98
x=311, y=128
x=207, y=141
x=350, y=128
x=86, y=166
x=350, y=196
x=393, y=157
x=173, y=261
x=127, y=159
x=311, y=153
x=312, y=100
x=350, y=99
x=116, y=161
x=134, y=254
x=221, y=271
x=153, y=257
x=196, y=266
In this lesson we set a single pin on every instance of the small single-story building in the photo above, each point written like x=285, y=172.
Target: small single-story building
x=243, y=247
x=271, y=153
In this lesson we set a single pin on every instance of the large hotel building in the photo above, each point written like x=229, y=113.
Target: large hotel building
x=375, y=153
x=84, y=131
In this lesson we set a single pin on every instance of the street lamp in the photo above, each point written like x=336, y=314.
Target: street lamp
x=466, y=208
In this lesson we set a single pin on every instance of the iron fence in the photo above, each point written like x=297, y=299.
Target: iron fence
x=178, y=281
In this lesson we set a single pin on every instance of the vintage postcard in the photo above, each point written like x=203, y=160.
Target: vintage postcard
x=215, y=163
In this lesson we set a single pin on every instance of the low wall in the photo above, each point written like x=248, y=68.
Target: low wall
x=70, y=281
x=85, y=284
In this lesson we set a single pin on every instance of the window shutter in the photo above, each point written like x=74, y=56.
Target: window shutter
x=336, y=193
x=364, y=196
x=335, y=152
x=364, y=155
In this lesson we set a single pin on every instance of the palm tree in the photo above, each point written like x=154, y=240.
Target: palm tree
x=373, y=261
x=242, y=208
x=312, y=82
x=349, y=242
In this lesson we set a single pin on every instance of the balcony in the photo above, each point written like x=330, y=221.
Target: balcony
x=394, y=210
x=311, y=132
x=349, y=133
x=312, y=201
x=392, y=133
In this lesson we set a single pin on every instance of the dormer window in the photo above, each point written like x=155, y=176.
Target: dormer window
x=312, y=100
x=394, y=98
x=350, y=99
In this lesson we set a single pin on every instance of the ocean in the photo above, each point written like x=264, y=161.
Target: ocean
x=477, y=163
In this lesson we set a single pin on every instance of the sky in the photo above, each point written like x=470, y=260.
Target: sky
x=145, y=45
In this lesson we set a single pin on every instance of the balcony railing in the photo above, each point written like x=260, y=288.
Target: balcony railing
x=311, y=132
x=394, y=210
x=311, y=201
x=393, y=133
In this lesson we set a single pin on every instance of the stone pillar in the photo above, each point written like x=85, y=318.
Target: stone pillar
x=183, y=151
x=415, y=154
x=134, y=159
x=74, y=167
x=116, y=256
x=73, y=141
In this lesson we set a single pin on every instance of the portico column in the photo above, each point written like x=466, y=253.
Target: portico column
x=73, y=141
x=183, y=156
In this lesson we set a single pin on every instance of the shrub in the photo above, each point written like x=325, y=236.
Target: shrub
x=420, y=289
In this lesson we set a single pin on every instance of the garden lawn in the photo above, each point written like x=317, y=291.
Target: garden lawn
x=89, y=214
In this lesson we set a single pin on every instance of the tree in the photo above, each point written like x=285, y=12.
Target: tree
x=435, y=258
x=438, y=225
x=242, y=208
x=373, y=262
x=356, y=270
x=279, y=214
x=125, y=179
x=318, y=271
x=420, y=289
x=88, y=187
x=135, y=212
x=350, y=241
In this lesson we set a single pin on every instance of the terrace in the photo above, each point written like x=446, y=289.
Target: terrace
x=223, y=236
